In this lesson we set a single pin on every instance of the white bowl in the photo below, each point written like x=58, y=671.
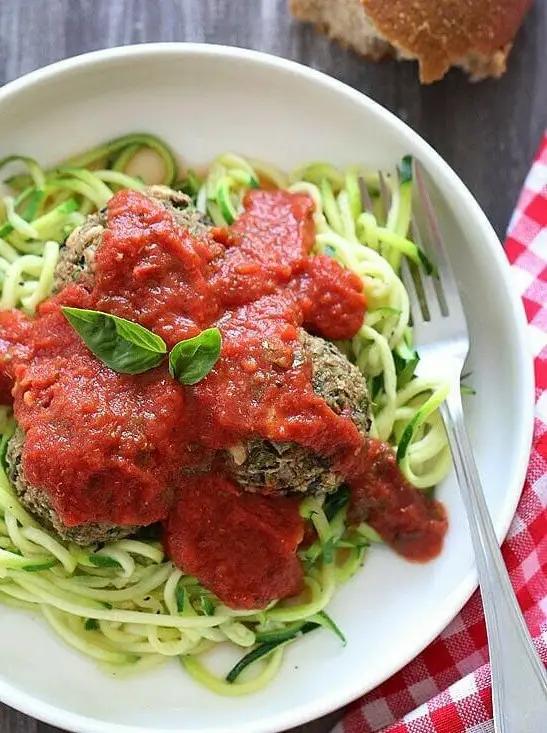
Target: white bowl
x=204, y=100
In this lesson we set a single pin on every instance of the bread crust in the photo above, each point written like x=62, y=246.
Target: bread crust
x=475, y=34
x=345, y=22
x=381, y=52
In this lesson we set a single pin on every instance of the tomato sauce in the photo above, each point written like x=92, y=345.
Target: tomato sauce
x=150, y=270
x=103, y=445
x=242, y=545
x=126, y=448
x=331, y=298
x=14, y=328
x=412, y=523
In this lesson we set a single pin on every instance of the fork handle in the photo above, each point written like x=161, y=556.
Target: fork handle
x=519, y=678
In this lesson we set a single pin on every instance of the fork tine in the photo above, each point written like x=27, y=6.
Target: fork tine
x=428, y=283
x=365, y=195
x=385, y=194
x=446, y=278
x=416, y=311
x=423, y=298
x=431, y=297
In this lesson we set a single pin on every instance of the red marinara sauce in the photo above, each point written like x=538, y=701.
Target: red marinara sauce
x=102, y=445
x=240, y=544
x=410, y=522
x=13, y=332
x=124, y=449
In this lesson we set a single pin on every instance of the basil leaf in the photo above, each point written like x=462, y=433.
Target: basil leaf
x=122, y=345
x=192, y=359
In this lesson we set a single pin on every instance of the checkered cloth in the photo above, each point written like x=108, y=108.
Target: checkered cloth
x=447, y=688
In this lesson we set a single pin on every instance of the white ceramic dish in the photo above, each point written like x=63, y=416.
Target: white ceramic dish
x=205, y=100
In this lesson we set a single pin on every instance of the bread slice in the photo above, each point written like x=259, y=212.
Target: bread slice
x=475, y=35
x=346, y=22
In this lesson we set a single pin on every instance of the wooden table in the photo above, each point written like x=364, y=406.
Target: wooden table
x=488, y=132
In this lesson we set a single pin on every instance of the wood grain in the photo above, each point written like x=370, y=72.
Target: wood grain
x=488, y=132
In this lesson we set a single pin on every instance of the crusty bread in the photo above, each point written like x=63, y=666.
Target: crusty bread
x=475, y=35
x=346, y=22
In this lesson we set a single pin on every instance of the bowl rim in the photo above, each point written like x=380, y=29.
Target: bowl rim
x=51, y=714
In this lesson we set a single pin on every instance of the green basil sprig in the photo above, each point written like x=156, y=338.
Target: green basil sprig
x=122, y=345
x=192, y=359
x=129, y=348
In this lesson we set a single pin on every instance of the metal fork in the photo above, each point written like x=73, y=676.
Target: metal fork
x=519, y=678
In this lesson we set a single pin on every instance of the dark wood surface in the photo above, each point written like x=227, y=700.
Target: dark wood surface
x=488, y=132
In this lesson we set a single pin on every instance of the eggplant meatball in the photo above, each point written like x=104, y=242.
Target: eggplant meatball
x=77, y=257
x=39, y=504
x=264, y=465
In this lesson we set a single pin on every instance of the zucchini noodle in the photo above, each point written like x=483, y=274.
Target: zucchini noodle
x=124, y=604
x=47, y=205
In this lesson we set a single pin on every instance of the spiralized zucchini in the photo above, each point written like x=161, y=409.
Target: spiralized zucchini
x=124, y=604
x=46, y=205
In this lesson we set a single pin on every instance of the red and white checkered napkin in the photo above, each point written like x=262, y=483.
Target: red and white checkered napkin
x=447, y=688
